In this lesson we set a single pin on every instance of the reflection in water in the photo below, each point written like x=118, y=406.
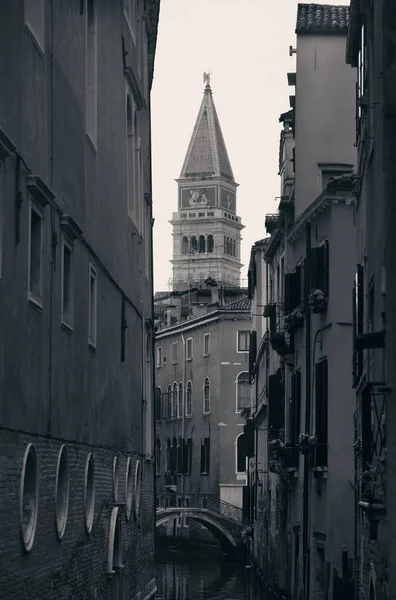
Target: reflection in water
x=180, y=577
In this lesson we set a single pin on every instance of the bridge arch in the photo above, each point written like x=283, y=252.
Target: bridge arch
x=226, y=539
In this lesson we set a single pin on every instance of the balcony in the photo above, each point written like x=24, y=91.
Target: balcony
x=271, y=222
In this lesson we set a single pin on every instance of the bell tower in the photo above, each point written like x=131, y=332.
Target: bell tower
x=206, y=228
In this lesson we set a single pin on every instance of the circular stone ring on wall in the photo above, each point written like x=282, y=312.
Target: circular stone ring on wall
x=62, y=492
x=136, y=504
x=116, y=477
x=28, y=500
x=128, y=489
x=89, y=493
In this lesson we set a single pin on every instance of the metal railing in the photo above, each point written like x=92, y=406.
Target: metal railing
x=202, y=501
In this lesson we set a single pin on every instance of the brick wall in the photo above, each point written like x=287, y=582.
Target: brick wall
x=76, y=566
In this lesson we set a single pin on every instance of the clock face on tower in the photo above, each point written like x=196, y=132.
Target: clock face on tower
x=198, y=197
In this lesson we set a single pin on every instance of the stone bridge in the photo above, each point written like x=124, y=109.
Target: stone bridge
x=222, y=519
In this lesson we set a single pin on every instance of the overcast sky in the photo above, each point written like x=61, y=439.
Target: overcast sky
x=245, y=43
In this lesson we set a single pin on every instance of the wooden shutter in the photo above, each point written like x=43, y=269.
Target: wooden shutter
x=314, y=283
x=288, y=303
x=321, y=408
x=326, y=266
x=275, y=403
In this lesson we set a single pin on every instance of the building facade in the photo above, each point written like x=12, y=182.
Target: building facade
x=76, y=352
x=303, y=403
x=369, y=49
x=203, y=333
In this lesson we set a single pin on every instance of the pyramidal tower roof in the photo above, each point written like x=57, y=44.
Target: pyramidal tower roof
x=207, y=154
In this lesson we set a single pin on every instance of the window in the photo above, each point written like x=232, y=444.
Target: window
x=91, y=73
x=327, y=175
x=193, y=244
x=180, y=450
x=36, y=235
x=130, y=157
x=189, y=349
x=67, y=284
x=242, y=385
x=206, y=344
x=185, y=245
x=168, y=403
x=187, y=456
x=321, y=409
x=210, y=243
x=92, y=317
x=29, y=497
x=35, y=20
x=174, y=352
x=241, y=459
x=168, y=455
x=206, y=396
x=320, y=268
x=158, y=457
x=201, y=244
x=189, y=400
x=205, y=456
x=180, y=404
x=159, y=356
x=243, y=341
x=174, y=402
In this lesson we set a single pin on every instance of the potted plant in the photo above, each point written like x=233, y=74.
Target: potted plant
x=294, y=319
x=268, y=310
x=306, y=442
x=317, y=301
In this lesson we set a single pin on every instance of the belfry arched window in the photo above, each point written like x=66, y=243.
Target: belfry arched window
x=233, y=248
x=209, y=244
x=193, y=244
x=201, y=244
x=174, y=401
x=185, y=245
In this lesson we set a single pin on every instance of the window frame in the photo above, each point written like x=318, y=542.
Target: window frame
x=239, y=410
x=175, y=353
x=92, y=335
x=189, y=388
x=204, y=399
x=189, y=356
x=67, y=323
x=33, y=297
x=206, y=337
x=244, y=331
x=158, y=354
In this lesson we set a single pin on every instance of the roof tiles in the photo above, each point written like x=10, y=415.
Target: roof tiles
x=313, y=18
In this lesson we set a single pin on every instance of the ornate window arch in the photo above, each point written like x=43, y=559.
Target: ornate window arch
x=201, y=244
x=210, y=244
x=184, y=245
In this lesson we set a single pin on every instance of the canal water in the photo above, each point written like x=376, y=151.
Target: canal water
x=181, y=576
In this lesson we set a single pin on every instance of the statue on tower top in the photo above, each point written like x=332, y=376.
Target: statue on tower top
x=206, y=78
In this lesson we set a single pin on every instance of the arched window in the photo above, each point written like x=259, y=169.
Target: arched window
x=193, y=244
x=210, y=243
x=233, y=248
x=242, y=391
x=174, y=402
x=189, y=400
x=206, y=396
x=158, y=456
x=130, y=157
x=187, y=456
x=184, y=244
x=241, y=461
x=225, y=245
x=168, y=455
x=205, y=456
x=169, y=403
x=180, y=403
x=201, y=244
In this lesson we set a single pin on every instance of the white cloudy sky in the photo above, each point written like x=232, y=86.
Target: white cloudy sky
x=245, y=43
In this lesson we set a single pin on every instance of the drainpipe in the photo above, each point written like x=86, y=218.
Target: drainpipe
x=307, y=409
x=184, y=405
